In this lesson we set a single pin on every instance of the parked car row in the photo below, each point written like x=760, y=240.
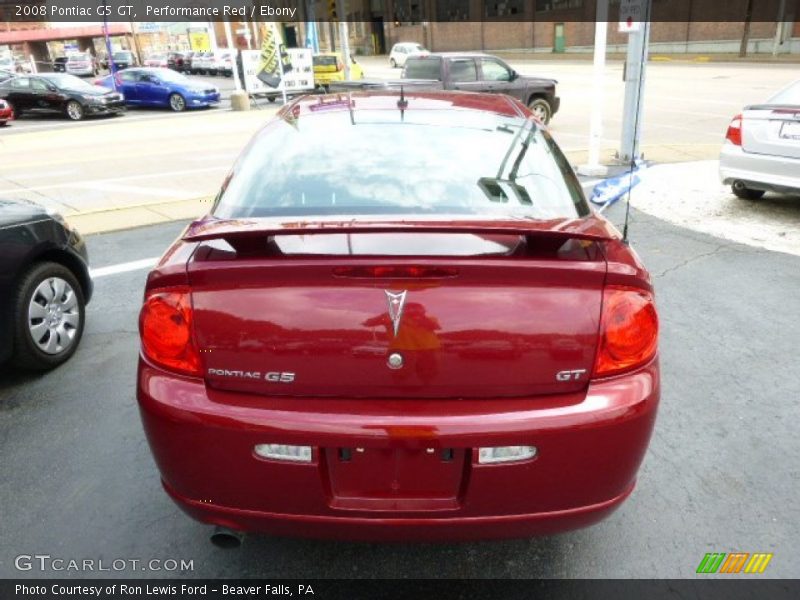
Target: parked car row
x=209, y=63
x=76, y=98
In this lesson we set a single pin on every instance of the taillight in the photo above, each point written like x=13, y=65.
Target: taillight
x=339, y=65
x=628, y=330
x=734, y=134
x=165, y=326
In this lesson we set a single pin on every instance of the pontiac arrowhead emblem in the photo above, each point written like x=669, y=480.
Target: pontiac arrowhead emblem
x=397, y=300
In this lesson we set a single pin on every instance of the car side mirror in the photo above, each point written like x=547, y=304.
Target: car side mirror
x=514, y=76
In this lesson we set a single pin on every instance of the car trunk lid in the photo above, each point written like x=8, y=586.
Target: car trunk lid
x=492, y=313
x=772, y=129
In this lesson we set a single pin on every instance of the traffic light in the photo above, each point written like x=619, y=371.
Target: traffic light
x=332, y=10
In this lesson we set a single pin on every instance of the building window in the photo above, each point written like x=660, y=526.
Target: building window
x=407, y=11
x=548, y=5
x=503, y=8
x=452, y=10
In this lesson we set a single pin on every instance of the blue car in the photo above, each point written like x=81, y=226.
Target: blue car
x=161, y=87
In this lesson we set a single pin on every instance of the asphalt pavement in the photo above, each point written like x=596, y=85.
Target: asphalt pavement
x=721, y=475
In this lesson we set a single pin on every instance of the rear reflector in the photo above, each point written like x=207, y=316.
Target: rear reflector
x=501, y=454
x=284, y=452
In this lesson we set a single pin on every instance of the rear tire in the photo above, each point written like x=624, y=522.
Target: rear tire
x=47, y=331
x=740, y=190
x=272, y=98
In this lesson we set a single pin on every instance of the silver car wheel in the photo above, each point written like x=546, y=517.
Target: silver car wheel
x=53, y=315
x=177, y=103
x=74, y=110
x=540, y=112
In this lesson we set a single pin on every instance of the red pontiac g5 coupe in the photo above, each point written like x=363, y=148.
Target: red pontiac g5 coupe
x=400, y=320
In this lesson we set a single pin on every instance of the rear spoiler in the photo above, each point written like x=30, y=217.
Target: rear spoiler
x=381, y=84
x=589, y=228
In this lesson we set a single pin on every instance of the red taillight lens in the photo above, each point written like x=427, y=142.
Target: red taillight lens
x=628, y=330
x=165, y=326
x=734, y=134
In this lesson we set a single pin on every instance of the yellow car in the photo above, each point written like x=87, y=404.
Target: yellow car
x=329, y=67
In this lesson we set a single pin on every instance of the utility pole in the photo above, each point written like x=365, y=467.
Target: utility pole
x=779, y=28
x=593, y=166
x=237, y=84
x=635, y=68
x=748, y=17
x=344, y=36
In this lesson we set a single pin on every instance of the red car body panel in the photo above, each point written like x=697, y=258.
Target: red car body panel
x=395, y=452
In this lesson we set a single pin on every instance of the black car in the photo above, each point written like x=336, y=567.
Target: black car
x=62, y=93
x=60, y=64
x=44, y=286
x=123, y=59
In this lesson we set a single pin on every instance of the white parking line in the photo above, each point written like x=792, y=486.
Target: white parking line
x=117, y=188
x=52, y=186
x=39, y=174
x=135, y=265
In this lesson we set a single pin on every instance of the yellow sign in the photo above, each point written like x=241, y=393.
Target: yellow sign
x=199, y=41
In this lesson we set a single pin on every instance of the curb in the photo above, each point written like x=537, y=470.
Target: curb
x=128, y=217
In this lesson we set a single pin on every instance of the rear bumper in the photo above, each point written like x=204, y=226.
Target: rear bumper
x=590, y=446
x=759, y=171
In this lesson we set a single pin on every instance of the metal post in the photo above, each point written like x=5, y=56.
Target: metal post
x=344, y=36
x=109, y=54
x=635, y=67
x=776, y=42
x=593, y=167
x=229, y=39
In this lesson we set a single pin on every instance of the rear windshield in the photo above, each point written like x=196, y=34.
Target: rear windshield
x=423, y=68
x=122, y=55
x=417, y=163
x=788, y=95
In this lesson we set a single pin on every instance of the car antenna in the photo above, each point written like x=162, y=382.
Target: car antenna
x=402, y=104
x=635, y=129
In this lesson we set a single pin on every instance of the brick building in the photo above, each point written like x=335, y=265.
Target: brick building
x=560, y=25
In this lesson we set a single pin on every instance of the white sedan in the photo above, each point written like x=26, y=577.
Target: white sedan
x=762, y=147
x=402, y=50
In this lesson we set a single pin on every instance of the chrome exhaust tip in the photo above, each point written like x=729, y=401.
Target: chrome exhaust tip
x=225, y=538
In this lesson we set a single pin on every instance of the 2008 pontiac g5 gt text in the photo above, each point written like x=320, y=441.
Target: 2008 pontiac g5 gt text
x=400, y=321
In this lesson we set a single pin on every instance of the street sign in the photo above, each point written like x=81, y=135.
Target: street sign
x=630, y=15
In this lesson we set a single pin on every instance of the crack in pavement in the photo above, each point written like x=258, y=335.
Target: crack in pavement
x=691, y=259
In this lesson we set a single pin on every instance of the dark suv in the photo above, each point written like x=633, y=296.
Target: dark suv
x=475, y=72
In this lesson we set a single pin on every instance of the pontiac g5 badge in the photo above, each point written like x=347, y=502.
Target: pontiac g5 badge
x=397, y=301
